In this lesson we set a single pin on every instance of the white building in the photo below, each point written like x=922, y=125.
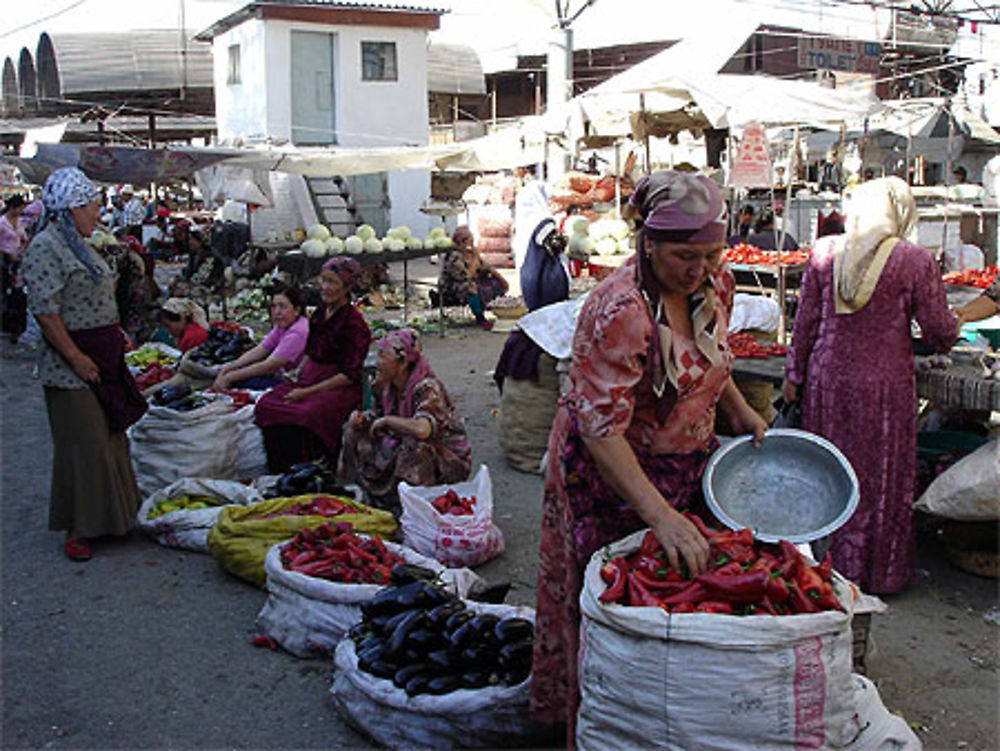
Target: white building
x=319, y=73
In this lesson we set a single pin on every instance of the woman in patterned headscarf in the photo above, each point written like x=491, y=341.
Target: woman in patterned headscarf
x=413, y=433
x=634, y=431
x=303, y=420
x=861, y=288
x=91, y=397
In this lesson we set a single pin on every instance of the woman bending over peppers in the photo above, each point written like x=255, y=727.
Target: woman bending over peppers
x=632, y=436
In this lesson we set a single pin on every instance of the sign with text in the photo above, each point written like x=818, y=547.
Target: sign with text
x=752, y=162
x=839, y=54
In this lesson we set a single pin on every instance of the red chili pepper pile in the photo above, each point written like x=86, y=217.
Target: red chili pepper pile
x=240, y=398
x=334, y=552
x=744, y=577
x=152, y=375
x=226, y=326
x=321, y=505
x=454, y=504
x=745, y=345
x=972, y=277
x=750, y=255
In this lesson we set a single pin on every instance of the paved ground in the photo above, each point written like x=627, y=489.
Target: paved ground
x=149, y=647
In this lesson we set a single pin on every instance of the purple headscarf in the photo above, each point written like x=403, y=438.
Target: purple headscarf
x=346, y=268
x=404, y=345
x=681, y=207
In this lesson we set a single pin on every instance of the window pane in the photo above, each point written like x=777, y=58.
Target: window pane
x=234, y=64
x=378, y=61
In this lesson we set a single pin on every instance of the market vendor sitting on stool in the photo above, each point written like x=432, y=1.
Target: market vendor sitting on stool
x=302, y=420
x=280, y=352
x=413, y=433
x=634, y=432
x=467, y=278
x=186, y=321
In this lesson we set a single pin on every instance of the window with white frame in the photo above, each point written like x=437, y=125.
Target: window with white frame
x=233, y=74
x=378, y=61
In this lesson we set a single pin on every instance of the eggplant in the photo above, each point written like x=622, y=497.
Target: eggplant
x=510, y=630
x=407, y=573
x=359, y=631
x=382, y=669
x=516, y=675
x=424, y=640
x=373, y=640
x=390, y=600
x=379, y=622
x=413, y=620
x=483, y=625
x=477, y=656
x=442, y=684
x=438, y=616
x=300, y=466
x=441, y=659
x=516, y=653
x=461, y=637
x=373, y=654
x=405, y=673
x=457, y=619
x=418, y=684
x=474, y=679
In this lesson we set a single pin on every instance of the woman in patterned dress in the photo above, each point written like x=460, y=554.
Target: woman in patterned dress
x=631, y=438
x=984, y=306
x=90, y=395
x=413, y=433
x=851, y=363
x=467, y=278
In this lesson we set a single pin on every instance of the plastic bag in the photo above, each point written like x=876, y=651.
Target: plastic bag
x=189, y=529
x=779, y=681
x=492, y=717
x=454, y=540
x=969, y=490
x=308, y=616
x=240, y=539
x=787, y=415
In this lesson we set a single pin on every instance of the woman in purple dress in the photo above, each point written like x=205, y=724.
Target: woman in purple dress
x=302, y=420
x=851, y=363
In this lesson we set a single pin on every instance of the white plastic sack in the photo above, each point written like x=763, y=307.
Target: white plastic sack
x=877, y=729
x=251, y=458
x=308, y=615
x=454, y=540
x=167, y=445
x=189, y=529
x=969, y=490
x=754, y=313
x=711, y=681
x=493, y=717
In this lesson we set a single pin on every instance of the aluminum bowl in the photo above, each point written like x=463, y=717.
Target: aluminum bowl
x=795, y=486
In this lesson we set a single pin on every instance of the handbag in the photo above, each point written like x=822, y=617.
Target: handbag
x=787, y=415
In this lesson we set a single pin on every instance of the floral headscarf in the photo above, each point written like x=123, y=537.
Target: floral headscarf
x=346, y=268
x=182, y=306
x=68, y=188
x=404, y=345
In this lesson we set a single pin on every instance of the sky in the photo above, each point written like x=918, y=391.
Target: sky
x=497, y=29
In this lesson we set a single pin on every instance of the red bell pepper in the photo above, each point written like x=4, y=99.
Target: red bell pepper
x=618, y=571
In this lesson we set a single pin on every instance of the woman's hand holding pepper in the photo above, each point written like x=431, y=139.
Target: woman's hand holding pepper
x=681, y=540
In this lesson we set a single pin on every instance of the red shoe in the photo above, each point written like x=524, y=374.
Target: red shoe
x=485, y=325
x=77, y=549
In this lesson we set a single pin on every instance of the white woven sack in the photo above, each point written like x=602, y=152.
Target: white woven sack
x=876, y=728
x=454, y=540
x=492, y=717
x=251, y=458
x=969, y=490
x=167, y=445
x=308, y=615
x=711, y=682
x=189, y=529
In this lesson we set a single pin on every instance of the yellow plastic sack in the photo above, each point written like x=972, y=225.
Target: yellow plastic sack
x=240, y=539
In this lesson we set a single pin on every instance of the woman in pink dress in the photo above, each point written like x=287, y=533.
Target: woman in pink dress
x=631, y=438
x=851, y=363
x=302, y=420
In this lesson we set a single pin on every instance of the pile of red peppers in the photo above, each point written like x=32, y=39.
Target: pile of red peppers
x=320, y=505
x=751, y=255
x=744, y=577
x=454, y=504
x=334, y=552
x=746, y=345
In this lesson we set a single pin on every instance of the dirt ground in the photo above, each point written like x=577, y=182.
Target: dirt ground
x=149, y=647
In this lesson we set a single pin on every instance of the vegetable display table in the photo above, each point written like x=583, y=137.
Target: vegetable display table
x=781, y=278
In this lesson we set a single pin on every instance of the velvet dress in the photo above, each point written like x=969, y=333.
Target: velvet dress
x=859, y=392
x=311, y=427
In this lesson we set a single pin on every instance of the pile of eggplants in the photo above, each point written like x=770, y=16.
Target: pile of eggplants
x=426, y=641
x=222, y=346
x=177, y=397
x=307, y=477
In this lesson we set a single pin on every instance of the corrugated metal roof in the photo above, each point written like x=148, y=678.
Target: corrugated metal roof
x=136, y=60
x=454, y=69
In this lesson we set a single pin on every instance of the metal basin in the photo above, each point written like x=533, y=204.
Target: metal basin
x=795, y=486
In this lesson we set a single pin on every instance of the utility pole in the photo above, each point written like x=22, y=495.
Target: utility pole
x=559, y=76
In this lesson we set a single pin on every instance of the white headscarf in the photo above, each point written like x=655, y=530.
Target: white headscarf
x=68, y=188
x=182, y=306
x=880, y=213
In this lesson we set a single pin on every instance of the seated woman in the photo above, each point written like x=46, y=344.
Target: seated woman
x=467, y=278
x=186, y=321
x=414, y=432
x=302, y=420
x=281, y=351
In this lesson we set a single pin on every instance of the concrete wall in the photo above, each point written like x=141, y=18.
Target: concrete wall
x=368, y=113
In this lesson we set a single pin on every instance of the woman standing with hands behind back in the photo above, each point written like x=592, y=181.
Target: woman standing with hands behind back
x=632, y=436
x=90, y=395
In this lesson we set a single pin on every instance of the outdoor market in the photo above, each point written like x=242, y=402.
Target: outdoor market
x=661, y=411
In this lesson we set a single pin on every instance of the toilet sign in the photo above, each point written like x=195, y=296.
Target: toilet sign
x=828, y=53
x=752, y=164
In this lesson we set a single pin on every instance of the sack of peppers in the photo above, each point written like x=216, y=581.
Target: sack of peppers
x=318, y=580
x=744, y=577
